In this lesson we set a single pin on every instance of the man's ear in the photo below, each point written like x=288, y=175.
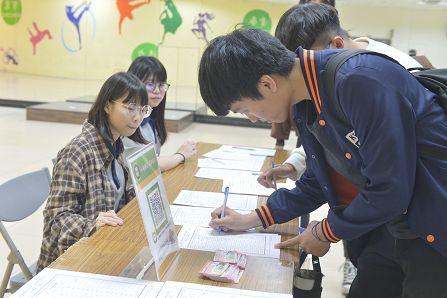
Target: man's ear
x=267, y=84
x=338, y=42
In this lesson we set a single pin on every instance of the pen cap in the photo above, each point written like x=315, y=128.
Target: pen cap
x=227, y=190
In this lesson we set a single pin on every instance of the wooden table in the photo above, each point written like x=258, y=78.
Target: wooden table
x=111, y=249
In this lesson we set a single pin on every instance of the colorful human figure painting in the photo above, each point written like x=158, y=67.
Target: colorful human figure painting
x=170, y=18
x=200, y=22
x=9, y=56
x=125, y=8
x=75, y=15
x=38, y=36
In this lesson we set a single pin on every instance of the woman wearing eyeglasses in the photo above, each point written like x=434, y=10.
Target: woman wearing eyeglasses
x=153, y=74
x=90, y=183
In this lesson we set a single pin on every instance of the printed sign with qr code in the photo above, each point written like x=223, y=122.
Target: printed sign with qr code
x=157, y=209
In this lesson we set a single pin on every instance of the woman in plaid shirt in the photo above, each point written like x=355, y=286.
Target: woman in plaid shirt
x=90, y=182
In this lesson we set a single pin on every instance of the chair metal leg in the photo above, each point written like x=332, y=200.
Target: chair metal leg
x=14, y=256
x=6, y=277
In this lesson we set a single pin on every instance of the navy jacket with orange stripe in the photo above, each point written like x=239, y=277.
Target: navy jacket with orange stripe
x=389, y=112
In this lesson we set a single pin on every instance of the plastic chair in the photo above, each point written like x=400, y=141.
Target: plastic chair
x=19, y=198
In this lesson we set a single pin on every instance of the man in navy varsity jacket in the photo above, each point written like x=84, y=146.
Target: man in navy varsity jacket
x=385, y=198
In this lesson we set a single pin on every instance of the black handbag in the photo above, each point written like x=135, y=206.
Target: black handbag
x=307, y=282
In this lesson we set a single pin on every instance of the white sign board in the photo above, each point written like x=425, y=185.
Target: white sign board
x=154, y=207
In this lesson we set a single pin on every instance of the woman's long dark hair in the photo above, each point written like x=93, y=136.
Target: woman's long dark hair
x=116, y=87
x=150, y=68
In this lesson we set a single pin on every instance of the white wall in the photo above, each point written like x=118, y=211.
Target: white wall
x=409, y=28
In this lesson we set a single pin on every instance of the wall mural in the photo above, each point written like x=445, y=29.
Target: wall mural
x=9, y=56
x=170, y=18
x=38, y=36
x=76, y=22
x=145, y=49
x=11, y=11
x=201, y=20
x=125, y=8
x=258, y=18
x=73, y=30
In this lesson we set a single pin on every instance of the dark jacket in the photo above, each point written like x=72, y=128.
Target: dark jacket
x=389, y=113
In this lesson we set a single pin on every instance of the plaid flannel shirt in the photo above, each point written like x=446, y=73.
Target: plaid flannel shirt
x=80, y=189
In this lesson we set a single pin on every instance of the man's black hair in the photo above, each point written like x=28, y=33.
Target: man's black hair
x=232, y=64
x=328, y=2
x=309, y=24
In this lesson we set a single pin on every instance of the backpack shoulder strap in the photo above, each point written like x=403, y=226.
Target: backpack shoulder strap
x=434, y=79
x=332, y=66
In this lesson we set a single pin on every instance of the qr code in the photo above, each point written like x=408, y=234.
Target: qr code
x=156, y=206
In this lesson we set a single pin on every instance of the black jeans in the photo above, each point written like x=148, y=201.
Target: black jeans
x=391, y=268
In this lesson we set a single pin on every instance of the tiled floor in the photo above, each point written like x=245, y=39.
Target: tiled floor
x=29, y=145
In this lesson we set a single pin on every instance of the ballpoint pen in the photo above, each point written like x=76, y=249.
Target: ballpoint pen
x=274, y=177
x=222, y=212
x=244, y=148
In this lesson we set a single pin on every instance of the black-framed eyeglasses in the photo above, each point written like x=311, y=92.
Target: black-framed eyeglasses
x=163, y=87
x=133, y=109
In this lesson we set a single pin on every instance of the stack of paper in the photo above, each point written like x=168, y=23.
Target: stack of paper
x=54, y=283
x=247, y=150
x=254, y=164
x=210, y=173
x=253, y=244
x=194, y=216
x=250, y=186
x=235, y=158
x=215, y=199
x=188, y=290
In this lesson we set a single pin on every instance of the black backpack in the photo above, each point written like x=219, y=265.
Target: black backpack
x=434, y=80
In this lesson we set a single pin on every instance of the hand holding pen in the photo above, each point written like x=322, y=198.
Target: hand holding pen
x=282, y=171
x=222, y=212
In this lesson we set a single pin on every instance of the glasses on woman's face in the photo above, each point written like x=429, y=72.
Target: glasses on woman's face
x=163, y=87
x=133, y=109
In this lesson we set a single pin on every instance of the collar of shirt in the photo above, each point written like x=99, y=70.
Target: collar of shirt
x=103, y=156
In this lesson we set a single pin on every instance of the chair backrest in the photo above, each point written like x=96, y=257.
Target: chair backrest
x=21, y=196
x=423, y=61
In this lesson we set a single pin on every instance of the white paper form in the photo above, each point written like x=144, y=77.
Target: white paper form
x=194, y=216
x=253, y=244
x=224, y=155
x=247, y=150
x=56, y=283
x=250, y=186
x=220, y=174
x=187, y=290
x=243, y=185
x=215, y=199
x=249, y=164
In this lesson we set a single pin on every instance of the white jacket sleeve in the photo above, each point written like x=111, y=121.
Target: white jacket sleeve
x=298, y=160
